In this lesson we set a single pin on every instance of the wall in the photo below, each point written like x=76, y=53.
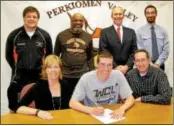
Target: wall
x=98, y=16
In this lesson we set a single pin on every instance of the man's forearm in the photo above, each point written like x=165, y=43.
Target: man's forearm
x=158, y=99
x=78, y=106
x=128, y=103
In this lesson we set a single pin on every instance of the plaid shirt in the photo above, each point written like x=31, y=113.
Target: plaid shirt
x=152, y=88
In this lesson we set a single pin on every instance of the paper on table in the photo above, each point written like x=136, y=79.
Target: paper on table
x=106, y=117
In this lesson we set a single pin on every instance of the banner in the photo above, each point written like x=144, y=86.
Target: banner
x=55, y=17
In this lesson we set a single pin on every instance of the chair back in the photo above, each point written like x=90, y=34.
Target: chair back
x=24, y=91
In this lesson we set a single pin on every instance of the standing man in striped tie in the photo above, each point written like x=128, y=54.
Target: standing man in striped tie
x=120, y=41
x=153, y=38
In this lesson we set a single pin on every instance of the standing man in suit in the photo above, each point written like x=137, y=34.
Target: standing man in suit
x=153, y=38
x=119, y=41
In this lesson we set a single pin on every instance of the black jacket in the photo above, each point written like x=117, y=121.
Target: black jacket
x=41, y=94
x=25, y=53
x=122, y=52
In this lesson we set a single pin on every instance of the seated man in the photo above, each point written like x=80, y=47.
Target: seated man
x=149, y=84
x=100, y=87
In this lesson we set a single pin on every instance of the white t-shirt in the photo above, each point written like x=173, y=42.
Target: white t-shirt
x=30, y=34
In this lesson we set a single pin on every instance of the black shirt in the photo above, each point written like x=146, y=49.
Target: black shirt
x=41, y=94
x=56, y=102
x=24, y=52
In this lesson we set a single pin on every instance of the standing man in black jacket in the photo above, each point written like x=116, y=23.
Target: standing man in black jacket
x=120, y=41
x=26, y=48
x=74, y=46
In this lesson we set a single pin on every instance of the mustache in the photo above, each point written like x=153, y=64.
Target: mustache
x=77, y=29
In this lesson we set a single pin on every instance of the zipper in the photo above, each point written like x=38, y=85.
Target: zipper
x=30, y=57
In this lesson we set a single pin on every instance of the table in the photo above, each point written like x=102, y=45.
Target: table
x=140, y=113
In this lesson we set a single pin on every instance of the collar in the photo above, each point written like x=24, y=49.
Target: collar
x=149, y=71
x=115, y=26
x=35, y=32
x=150, y=25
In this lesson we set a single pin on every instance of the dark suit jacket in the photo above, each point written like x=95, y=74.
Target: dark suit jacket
x=122, y=52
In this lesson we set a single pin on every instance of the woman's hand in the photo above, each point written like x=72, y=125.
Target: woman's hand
x=44, y=115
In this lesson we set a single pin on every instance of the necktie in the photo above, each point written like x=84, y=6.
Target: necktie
x=118, y=33
x=155, y=53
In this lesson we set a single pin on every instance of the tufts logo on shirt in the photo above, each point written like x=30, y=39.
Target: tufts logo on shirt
x=39, y=44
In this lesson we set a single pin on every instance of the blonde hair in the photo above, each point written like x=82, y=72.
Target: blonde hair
x=49, y=60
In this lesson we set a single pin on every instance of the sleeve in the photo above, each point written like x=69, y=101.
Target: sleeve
x=49, y=46
x=57, y=47
x=90, y=55
x=164, y=92
x=139, y=40
x=9, y=51
x=165, y=50
x=103, y=45
x=132, y=50
x=125, y=90
x=79, y=92
x=102, y=42
x=129, y=78
x=27, y=98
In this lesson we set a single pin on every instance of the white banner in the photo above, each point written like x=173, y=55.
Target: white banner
x=54, y=18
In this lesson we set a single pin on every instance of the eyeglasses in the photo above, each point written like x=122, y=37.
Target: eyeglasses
x=140, y=60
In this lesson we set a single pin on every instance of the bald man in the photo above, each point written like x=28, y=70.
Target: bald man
x=120, y=41
x=74, y=46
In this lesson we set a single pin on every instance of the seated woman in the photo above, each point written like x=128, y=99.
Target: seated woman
x=47, y=93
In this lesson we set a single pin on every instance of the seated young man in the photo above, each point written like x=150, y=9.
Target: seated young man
x=149, y=84
x=100, y=87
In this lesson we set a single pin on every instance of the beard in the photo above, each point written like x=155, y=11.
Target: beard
x=151, y=20
x=77, y=30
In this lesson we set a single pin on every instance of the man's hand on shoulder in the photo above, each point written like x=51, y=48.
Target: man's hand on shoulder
x=122, y=68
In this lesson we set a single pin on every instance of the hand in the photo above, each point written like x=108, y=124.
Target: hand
x=44, y=115
x=138, y=99
x=156, y=65
x=97, y=111
x=118, y=67
x=122, y=68
x=118, y=113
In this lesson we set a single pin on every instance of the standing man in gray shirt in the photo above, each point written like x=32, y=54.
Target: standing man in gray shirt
x=153, y=38
x=100, y=87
